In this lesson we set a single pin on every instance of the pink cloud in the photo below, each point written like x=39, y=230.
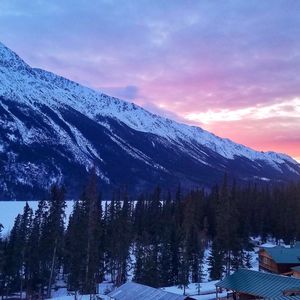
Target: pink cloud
x=179, y=58
x=273, y=134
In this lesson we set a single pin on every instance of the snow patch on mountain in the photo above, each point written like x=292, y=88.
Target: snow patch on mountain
x=10, y=59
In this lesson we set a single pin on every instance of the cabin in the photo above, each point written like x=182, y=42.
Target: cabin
x=136, y=291
x=248, y=284
x=296, y=272
x=279, y=259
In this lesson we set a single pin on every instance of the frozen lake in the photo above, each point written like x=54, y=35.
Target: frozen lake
x=10, y=209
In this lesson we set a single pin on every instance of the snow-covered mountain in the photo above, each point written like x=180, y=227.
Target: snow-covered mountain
x=55, y=129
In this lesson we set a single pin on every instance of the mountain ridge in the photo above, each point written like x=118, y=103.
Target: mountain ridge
x=56, y=102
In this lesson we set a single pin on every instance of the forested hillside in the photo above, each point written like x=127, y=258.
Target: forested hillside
x=159, y=239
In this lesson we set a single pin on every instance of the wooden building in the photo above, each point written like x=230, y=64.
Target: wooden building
x=248, y=284
x=279, y=259
x=135, y=291
x=296, y=272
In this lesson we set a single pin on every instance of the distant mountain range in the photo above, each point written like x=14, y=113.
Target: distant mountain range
x=53, y=129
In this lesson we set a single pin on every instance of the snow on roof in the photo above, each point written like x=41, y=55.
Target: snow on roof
x=135, y=291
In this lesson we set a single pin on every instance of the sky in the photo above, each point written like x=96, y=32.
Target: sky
x=231, y=67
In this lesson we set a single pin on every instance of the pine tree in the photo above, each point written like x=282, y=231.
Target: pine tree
x=216, y=261
x=94, y=252
x=53, y=234
x=75, y=247
x=112, y=236
x=139, y=217
x=15, y=265
x=138, y=274
x=184, y=267
x=151, y=275
x=175, y=257
x=37, y=275
x=24, y=235
x=124, y=232
x=165, y=262
x=12, y=263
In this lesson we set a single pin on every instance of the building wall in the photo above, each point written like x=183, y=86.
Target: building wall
x=266, y=262
x=296, y=274
x=246, y=297
x=286, y=268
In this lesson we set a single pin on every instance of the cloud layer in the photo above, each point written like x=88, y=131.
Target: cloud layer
x=229, y=66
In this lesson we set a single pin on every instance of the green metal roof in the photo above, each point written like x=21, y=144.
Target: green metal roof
x=284, y=298
x=282, y=255
x=259, y=284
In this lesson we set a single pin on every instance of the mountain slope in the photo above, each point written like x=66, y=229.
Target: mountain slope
x=53, y=129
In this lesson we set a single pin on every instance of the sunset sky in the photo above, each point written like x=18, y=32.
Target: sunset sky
x=231, y=67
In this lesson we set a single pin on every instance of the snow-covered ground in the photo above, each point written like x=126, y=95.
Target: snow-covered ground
x=207, y=290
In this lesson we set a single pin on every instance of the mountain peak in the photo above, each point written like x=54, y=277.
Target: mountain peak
x=10, y=59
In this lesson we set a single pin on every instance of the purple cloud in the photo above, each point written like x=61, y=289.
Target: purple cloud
x=129, y=92
x=169, y=55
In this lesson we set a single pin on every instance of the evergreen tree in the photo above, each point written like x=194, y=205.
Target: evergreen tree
x=12, y=262
x=216, y=261
x=37, y=274
x=23, y=236
x=94, y=252
x=15, y=265
x=52, y=236
x=124, y=237
x=175, y=255
x=75, y=248
x=138, y=275
x=184, y=267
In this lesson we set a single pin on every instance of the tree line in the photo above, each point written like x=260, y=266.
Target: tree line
x=158, y=240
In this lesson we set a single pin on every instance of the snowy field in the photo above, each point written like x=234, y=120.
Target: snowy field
x=10, y=209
